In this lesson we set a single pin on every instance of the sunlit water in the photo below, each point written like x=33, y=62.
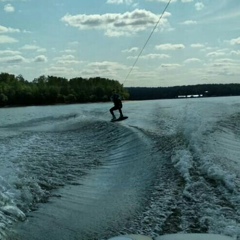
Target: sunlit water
x=67, y=172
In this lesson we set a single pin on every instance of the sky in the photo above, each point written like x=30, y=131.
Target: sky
x=194, y=42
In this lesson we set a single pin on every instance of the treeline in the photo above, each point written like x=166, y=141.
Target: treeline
x=46, y=90
x=204, y=90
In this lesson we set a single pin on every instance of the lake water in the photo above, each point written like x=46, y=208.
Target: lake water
x=67, y=172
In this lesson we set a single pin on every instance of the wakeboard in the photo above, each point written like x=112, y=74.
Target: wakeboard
x=119, y=119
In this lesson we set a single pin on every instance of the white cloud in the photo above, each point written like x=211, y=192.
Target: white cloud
x=224, y=60
x=73, y=44
x=235, y=41
x=9, y=53
x=116, y=24
x=235, y=53
x=186, y=1
x=9, y=8
x=41, y=50
x=66, y=60
x=8, y=30
x=106, y=69
x=13, y=59
x=151, y=56
x=60, y=71
x=128, y=2
x=69, y=51
x=26, y=31
x=170, y=65
x=32, y=47
x=199, y=6
x=224, y=67
x=169, y=46
x=189, y=22
x=197, y=45
x=216, y=54
x=40, y=58
x=192, y=60
x=131, y=50
x=7, y=39
x=65, y=57
x=29, y=47
x=106, y=66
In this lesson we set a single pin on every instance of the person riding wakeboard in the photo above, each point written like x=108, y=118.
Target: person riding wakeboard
x=116, y=99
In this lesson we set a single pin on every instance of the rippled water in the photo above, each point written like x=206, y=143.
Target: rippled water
x=68, y=173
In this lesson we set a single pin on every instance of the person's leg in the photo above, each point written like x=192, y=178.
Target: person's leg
x=120, y=111
x=111, y=111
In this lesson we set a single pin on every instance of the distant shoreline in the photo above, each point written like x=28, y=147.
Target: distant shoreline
x=202, y=90
x=129, y=100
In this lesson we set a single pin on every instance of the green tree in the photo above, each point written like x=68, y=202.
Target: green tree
x=3, y=99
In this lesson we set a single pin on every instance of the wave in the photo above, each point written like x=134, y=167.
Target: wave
x=64, y=153
x=40, y=121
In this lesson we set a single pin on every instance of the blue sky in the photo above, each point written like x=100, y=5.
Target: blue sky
x=195, y=42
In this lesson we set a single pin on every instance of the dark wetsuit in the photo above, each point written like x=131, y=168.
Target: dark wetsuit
x=117, y=104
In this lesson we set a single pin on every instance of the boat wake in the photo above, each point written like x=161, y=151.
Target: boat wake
x=93, y=179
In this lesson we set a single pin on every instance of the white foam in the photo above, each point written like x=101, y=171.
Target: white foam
x=13, y=211
x=182, y=160
x=215, y=172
